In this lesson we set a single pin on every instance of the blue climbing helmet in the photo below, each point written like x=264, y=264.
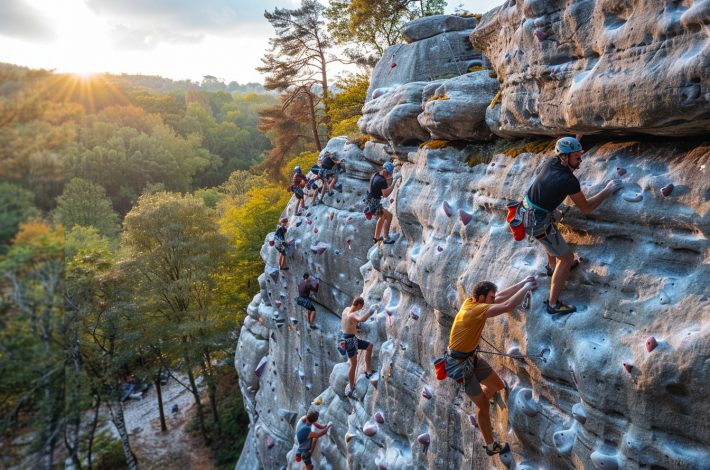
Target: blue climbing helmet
x=297, y=169
x=389, y=167
x=567, y=145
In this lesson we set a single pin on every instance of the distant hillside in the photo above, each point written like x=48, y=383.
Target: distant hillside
x=166, y=85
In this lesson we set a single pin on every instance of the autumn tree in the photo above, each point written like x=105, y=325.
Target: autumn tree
x=296, y=64
x=16, y=206
x=346, y=105
x=368, y=28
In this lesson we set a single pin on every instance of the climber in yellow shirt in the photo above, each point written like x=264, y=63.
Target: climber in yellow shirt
x=481, y=383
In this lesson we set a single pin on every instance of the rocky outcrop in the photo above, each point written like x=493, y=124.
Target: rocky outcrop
x=437, y=57
x=621, y=383
x=607, y=67
x=429, y=26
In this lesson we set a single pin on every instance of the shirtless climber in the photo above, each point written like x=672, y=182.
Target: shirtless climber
x=348, y=327
x=480, y=382
x=328, y=164
x=281, y=243
x=381, y=184
x=308, y=438
x=305, y=287
x=552, y=185
x=298, y=182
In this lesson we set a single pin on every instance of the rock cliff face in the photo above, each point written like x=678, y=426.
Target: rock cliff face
x=622, y=383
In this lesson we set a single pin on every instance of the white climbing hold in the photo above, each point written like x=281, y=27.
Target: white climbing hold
x=665, y=299
x=525, y=402
x=632, y=197
x=579, y=414
x=513, y=351
x=651, y=343
x=447, y=209
x=564, y=440
x=604, y=461
x=465, y=217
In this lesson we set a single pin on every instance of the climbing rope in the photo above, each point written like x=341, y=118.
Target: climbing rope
x=501, y=353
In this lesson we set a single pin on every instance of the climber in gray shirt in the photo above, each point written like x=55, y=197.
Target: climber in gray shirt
x=307, y=438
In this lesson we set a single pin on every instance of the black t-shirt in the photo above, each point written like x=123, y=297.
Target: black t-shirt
x=554, y=183
x=305, y=287
x=327, y=163
x=377, y=184
x=281, y=232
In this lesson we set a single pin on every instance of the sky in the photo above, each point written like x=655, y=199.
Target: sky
x=178, y=39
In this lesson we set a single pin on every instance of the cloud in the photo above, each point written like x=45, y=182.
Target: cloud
x=186, y=16
x=146, y=39
x=18, y=19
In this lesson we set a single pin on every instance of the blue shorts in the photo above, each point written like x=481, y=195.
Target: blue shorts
x=306, y=303
x=352, y=344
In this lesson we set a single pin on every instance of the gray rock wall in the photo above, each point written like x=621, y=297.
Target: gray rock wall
x=611, y=67
x=622, y=383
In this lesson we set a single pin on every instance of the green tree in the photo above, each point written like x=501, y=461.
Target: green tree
x=85, y=203
x=368, y=28
x=346, y=105
x=16, y=206
x=176, y=252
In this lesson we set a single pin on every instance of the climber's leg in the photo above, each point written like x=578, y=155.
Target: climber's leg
x=388, y=220
x=351, y=372
x=559, y=277
x=483, y=415
x=491, y=384
x=368, y=355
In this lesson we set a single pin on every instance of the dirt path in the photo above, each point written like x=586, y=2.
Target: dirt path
x=175, y=448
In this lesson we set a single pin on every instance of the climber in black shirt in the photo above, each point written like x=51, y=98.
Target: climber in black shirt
x=328, y=164
x=381, y=184
x=280, y=243
x=305, y=287
x=552, y=185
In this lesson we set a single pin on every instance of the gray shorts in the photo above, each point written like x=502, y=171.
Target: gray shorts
x=554, y=243
x=464, y=371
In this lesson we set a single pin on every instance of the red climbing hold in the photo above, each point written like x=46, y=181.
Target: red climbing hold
x=651, y=343
x=349, y=218
x=447, y=209
x=270, y=442
x=379, y=417
x=271, y=243
x=628, y=367
x=309, y=221
x=465, y=217
x=315, y=230
x=424, y=438
x=369, y=430
x=667, y=190
x=539, y=34
x=621, y=171
x=277, y=304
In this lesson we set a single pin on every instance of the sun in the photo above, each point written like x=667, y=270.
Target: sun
x=85, y=75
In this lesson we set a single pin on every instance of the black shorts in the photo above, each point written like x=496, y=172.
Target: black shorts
x=298, y=192
x=353, y=344
x=373, y=205
x=306, y=303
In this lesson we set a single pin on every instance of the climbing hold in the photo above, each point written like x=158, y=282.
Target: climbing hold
x=564, y=440
x=465, y=217
x=426, y=393
x=309, y=221
x=620, y=171
x=628, y=366
x=651, y=343
x=318, y=401
x=447, y=209
x=539, y=34
x=379, y=417
x=348, y=436
x=271, y=243
x=473, y=421
x=277, y=303
x=369, y=430
x=298, y=224
x=664, y=299
x=350, y=217
x=524, y=401
x=578, y=413
x=603, y=461
x=315, y=229
x=439, y=248
x=414, y=312
x=667, y=190
x=374, y=382
x=330, y=215
x=349, y=242
x=632, y=197
x=514, y=351
x=390, y=310
x=424, y=440
x=308, y=214
x=261, y=366
x=270, y=442
x=391, y=200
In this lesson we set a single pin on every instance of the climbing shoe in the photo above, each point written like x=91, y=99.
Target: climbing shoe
x=376, y=239
x=497, y=448
x=313, y=326
x=550, y=271
x=560, y=308
x=368, y=375
x=350, y=392
x=388, y=241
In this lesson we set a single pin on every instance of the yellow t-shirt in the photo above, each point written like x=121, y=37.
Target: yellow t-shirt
x=468, y=326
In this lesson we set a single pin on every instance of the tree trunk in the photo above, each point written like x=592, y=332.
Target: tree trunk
x=324, y=84
x=314, y=122
x=200, y=412
x=163, y=426
x=211, y=387
x=94, y=423
x=116, y=410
